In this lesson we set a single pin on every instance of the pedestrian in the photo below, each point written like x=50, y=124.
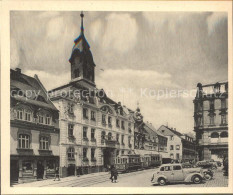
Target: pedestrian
x=115, y=174
x=111, y=172
x=56, y=174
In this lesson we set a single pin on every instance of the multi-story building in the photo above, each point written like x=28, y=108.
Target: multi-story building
x=179, y=146
x=94, y=128
x=34, y=132
x=147, y=140
x=211, y=120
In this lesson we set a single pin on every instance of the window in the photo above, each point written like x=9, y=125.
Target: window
x=223, y=119
x=93, y=115
x=109, y=136
x=122, y=139
x=129, y=138
x=92, y=134
x=70, y=130
x=103, y=135
x=27, y=116
x=162, y=169
x=48, y=119
x=211, y=119
x=109, y=121
x=85, y=113
x=171, y=156
x=27, y=167
x=84, y=153
x=44, y=143
x=20, y=114
x=122, y=152
x=211, y=104
x=84, y=132
x=176, y=168
x=70, y=153
x=177, y=147
x=172, y=137
x=70, y=108
x=223, y=103
x=214, y=135
x=171, y=147
x=177, y=156
x=93, y=154
x=167, y=168
x=117, y=137
x=41, y=119
x=104, y=119
x=224, y=134
x=24, y=141
x=122, y=124
x=117, y=123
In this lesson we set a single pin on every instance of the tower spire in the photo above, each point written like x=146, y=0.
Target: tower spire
x=82, y=16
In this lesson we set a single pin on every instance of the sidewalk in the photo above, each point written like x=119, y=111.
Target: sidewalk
x=50, y=181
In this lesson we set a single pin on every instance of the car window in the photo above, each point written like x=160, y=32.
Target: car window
x=175, y=168
x=167, y=168
x=162, y=169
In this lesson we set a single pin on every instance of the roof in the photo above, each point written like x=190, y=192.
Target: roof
x=29, y=90
x=171, y=130
x=151, y=130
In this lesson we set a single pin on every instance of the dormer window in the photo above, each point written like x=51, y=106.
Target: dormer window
x=48, y=119
x=41, y=119
x=20, y=114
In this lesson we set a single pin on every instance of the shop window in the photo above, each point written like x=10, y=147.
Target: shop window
x=44, y=143
x=27, y=168
x=24, y=141
x=50, y=166
x=70, y=153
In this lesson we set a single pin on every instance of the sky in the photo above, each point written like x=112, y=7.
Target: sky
x=150, y=59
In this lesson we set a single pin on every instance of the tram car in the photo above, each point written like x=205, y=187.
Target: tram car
x=127, y=162
x=145, y=161
x=156, y=160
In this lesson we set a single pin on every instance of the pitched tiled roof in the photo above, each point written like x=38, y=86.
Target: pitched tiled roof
x=173, y=131
x=151, y=130
x=30, y=88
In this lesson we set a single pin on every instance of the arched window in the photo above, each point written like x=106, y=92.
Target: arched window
x=214, y=135
x=224, y=134
x=70, y=153
x=109, y=136
x=24, y=141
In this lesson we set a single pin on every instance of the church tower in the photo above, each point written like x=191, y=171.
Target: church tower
x=81, y=60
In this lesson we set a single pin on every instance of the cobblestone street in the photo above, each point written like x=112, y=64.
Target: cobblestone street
x=133, y=179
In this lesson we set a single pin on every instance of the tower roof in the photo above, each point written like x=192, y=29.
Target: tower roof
x=80, y=43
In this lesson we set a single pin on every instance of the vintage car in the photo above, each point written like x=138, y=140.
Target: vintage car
x=174, y=173
x=207, y=164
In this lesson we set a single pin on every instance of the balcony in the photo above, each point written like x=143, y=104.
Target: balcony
x=108, y=143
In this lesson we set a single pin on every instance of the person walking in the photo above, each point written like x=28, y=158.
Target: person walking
x=115, y=174
x=56, y=174
x=111, y=172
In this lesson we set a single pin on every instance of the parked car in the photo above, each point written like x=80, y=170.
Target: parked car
x=187, y=165
x=174, y=173
x=206, y=165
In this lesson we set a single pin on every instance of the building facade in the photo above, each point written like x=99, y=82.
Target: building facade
x=147, y=139
x=211, y=120
x=34, y=132
x=94, y=128
x=180, y=147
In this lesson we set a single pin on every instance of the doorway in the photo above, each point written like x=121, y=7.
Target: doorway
x=14, y=171
x=40, y=170
x=71, y=169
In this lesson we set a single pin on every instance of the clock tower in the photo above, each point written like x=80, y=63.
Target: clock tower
x=81, y=60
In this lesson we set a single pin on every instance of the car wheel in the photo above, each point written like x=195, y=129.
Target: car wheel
x=162, y=181
x=196, y=179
